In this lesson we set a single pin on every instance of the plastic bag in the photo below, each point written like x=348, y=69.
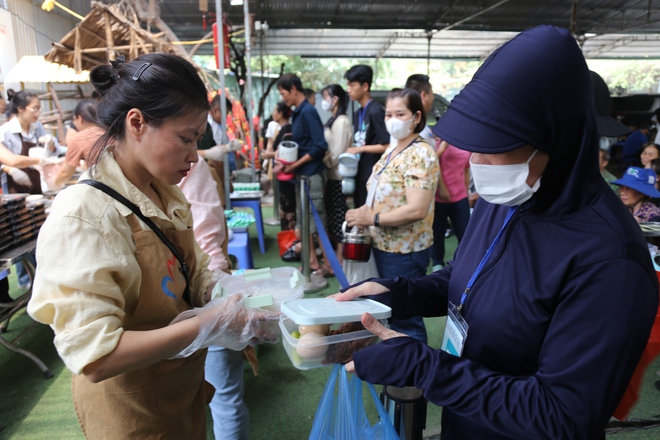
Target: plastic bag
x=356, y=271
x=341, y=416
x=285, y=240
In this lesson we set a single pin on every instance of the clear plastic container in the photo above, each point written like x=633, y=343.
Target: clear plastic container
x=331, y=349
x=328, y=316
x=283, y=283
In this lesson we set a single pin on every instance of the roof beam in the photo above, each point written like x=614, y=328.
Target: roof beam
x=460, y=22
x=386, y=46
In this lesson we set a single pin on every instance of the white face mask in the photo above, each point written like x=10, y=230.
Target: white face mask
x=399, y=129
x=504, y=184
x=326, y=105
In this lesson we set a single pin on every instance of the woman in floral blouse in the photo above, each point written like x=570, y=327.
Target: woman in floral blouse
x=399, y=206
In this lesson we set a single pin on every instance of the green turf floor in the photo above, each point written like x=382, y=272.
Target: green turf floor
x=282, y=400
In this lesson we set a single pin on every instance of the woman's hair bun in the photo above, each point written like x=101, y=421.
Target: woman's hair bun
x=103, y=77
x=10, y=94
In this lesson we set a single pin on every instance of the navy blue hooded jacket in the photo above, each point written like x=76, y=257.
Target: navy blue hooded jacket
x=560, y=314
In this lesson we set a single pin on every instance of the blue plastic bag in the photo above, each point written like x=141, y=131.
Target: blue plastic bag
x=341, y=415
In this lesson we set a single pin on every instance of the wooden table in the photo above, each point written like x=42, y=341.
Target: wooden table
x=9, y=309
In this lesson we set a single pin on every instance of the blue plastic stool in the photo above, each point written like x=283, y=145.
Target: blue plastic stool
x=254, y=203
x=239, y=246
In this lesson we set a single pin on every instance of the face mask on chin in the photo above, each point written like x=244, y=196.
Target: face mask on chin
x=399, y=129
x=504, y=184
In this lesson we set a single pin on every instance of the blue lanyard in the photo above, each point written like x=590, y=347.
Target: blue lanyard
x=361, y=116
x=485, y=258
x=387, y=161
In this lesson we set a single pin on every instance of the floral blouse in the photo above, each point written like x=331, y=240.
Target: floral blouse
x=647, y=212
x=414, y=167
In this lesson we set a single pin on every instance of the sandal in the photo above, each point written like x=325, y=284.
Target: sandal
x=323, y=272
x=311, y=269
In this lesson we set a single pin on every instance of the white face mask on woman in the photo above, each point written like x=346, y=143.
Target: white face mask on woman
x=504, y=184
x=326, y=105
x=399, y=129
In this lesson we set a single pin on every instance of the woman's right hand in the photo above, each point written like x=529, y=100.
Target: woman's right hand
x=364, y=289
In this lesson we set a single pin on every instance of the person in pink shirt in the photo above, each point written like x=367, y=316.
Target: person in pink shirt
x=80, y=143
x=223, y=367
x=451, y=198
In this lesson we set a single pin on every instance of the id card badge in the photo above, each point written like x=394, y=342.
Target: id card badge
x=360, y=138
x=456, y=330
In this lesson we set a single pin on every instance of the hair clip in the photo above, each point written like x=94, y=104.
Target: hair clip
x=138, y=73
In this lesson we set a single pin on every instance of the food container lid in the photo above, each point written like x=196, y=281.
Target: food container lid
x=309, y=311
x=283, y=283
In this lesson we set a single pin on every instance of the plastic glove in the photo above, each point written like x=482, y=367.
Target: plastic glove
x=216, y=153
x=227, y=322
x=235, y=145
x=49, y=161
x=46, y=140
x=20, y=176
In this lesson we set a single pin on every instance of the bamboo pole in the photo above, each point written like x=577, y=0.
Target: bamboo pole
x=109, y=39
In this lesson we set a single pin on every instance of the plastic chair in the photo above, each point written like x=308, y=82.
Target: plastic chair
x=255, y=205
x=239, y=246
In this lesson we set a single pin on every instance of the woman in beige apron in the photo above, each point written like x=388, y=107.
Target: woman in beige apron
x=118, y=262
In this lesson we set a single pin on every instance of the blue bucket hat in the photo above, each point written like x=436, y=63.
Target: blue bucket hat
x=640, y=179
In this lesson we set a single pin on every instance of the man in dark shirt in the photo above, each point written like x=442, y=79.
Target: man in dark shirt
x=307, y=132
x=371, y=136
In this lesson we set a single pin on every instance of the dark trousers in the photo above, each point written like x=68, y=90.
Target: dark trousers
x=459, y=214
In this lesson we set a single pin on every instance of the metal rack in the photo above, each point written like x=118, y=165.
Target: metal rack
x=9, y=309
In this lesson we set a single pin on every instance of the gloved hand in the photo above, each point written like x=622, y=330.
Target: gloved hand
x=235, y=145
x=216, y=153
x=20, y=176
x=49, y=161
x=227, y=322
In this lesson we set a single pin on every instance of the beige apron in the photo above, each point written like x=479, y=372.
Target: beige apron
x=161, y=401
x=35, y=177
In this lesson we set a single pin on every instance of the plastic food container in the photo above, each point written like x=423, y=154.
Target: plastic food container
x=326, y=314
x=283, y=283
x=288, y=151
x=348, y=165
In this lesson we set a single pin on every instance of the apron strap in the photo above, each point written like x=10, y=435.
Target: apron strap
x=124, y=201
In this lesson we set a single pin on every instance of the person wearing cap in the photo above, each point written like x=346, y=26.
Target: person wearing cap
x=542, y=334
x=637, y=187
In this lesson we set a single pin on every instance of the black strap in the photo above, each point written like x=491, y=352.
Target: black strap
x=124, y=201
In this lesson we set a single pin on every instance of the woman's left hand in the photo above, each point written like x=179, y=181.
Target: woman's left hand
x=378, y=329
x=363, y=216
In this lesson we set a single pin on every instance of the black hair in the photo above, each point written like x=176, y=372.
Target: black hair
x=87, y=109
x=18, y=100
x=289, y=80
x=360, y=73
x=284, y=109
x=215, y=102
x=419, y=82
x=413, y=102
x=162, y=86
x=336, y=90
x=309, y=93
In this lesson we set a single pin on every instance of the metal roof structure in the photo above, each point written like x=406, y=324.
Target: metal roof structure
x=401, y=28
